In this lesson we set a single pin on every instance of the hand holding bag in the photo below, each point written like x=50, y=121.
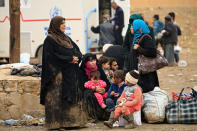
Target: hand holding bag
x=148, y=64
x=182, y=111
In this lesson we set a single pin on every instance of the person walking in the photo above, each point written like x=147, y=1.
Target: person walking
x=60, y=88
x=118, y=23
x=105, y=30
x=172, y=18
x=169, y=39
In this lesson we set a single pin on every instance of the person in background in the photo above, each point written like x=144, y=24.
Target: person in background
x=94, y=83
x=169, y=39
x=114, y=51
x=157, y=28
x=115, y=89
x=60, y=82
x=172, y=17
x=118, y=23
x=129, y=102
x=105, y=30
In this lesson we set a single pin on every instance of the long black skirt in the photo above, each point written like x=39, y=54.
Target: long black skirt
x=60, y=114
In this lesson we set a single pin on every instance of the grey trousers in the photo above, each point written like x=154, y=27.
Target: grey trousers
x=169, y=53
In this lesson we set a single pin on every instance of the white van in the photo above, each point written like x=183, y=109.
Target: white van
x=35, y=17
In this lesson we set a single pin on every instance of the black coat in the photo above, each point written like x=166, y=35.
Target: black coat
x=116, y=51
x=170, y=36
x=130, y=59
x=57, y=59
x=147, y=81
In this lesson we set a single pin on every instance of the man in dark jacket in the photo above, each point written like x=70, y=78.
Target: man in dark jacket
x=119, y=23
x=105, y=30
x=172, y=17
x=169, y=39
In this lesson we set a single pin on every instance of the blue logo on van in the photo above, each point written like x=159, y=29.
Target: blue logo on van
x=55, y=12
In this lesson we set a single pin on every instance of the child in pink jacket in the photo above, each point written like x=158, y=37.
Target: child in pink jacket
x=93, y=84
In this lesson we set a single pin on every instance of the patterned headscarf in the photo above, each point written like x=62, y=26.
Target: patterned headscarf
x=55, y=32
x=139, y=28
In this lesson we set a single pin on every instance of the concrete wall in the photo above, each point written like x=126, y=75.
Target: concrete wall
x=162, y=3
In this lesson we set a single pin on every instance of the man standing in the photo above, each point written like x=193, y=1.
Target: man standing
x=157, y=27
x=169, y=40
x=118, y=23
x=105, y=30
x=172, y=17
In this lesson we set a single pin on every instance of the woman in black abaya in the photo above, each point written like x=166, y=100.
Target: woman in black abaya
x=60, y=90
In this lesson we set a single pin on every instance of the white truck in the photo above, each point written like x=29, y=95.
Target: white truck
x=35, y=17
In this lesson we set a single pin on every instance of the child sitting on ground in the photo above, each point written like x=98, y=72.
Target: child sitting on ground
x=104, y=63
x=129, y=102
x=94, y=83
x=115, y=89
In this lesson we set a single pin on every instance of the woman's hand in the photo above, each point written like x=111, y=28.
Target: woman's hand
x=75, y=60
x=100, y=90
x=136, y=46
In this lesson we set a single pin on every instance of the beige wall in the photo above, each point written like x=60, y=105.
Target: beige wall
x=162, y=3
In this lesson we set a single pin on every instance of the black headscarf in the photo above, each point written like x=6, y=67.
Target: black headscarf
x=87, y=57
x=55, y=32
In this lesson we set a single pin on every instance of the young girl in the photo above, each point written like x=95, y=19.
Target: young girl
x=129, y=102
x=104, y=62
x=94, y=83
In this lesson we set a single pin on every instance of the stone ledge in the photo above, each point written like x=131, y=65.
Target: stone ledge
x=19, y=95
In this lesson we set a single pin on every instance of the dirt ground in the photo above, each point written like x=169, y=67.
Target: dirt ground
x=170, y=78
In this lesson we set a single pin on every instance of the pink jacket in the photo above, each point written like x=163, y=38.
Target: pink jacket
x=90, y=84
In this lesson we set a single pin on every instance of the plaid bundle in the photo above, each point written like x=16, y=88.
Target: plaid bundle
x=182, y=111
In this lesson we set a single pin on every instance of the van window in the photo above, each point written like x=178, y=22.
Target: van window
x=2, y=3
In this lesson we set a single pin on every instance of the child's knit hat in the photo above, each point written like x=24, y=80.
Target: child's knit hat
x=132, y=76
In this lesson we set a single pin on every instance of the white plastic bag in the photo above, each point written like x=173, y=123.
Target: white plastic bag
x=177, y=49
x=154, y=105
x=24, y=58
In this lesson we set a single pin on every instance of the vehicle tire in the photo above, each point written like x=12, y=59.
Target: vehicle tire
x=39, y=54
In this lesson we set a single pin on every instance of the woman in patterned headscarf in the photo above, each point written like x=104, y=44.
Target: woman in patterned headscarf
x=60, y=89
